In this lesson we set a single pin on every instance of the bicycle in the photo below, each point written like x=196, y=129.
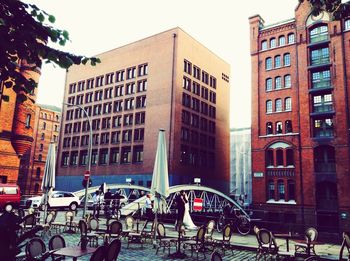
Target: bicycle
x=239, y=222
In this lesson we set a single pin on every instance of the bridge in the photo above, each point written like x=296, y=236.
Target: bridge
x=213, y=200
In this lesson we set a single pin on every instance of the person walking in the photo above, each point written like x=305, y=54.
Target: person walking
x=107, y=201
x=180, y=205
x=96, y=206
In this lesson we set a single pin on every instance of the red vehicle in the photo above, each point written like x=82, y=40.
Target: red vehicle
x=10, y=195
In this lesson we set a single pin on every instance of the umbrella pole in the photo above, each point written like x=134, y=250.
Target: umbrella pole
x=45, y=205
x=155, y=224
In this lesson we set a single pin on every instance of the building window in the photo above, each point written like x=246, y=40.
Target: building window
x=287, y=81
x=268, y=106
x=272, y=42
x=286, y=59
x=268, y=84
x=42, y=136
x=288, y=104
x=130, y=88
x=94, y=157
x=277, y=61
x=44, y=126
x=321, y=79
x=115, y=137
x=119, y=76
x=289, y=157
x=130, y=73
x=127, y=135
x=279, y=157
x=289, y=128
x=41, y=148
x=139, y=134
x=264, y=45
x=114, y=157
x=323, y=127
x=278, y=82
x=281, y=40
x=28, y=117
x=83, y=158
x=196, y=72
x=291, y=38
x=323, y=103
x=38, y=171
x=281, y=191
x=270, y=190
x=324, y=159
x=320, y=56
x=291, y=190
x=187, y=67
x=140, y=118
x=268, y=63
x=269, y=160
x=278, y=105
x=74, y=158
x=65, y=159
x=142, y=86
x=269, y=128
x=319, y=34
x=143, y=70
x=279, y=127
x=103, y=157
x=138, y=154
x=126, y=155
x=347, y=24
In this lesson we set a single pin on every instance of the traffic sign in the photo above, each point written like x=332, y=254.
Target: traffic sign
x=87, y=174
x=197, y=204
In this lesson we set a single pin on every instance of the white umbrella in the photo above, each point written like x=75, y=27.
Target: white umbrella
x=48, y=182
x=160, y=178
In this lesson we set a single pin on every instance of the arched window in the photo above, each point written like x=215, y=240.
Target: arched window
x=57, y=118
x=268, y=106
x=271, y=190
x=272, y=42
x=269, y=128
x=277, y=61
x=324, y=159
x=40, y=157
x=319, y=34
x=291, y=190
x=281, y=190
x=279, y=127
x=38, y=172
x=289, y=157
x=281, y=40
x=28, y=117
x=278, y=82
x=287, y=81
x=288, y=104
x=263, y=45
x=268, y=84
x=45, y=116
x=268, y=63
x=291, y=38
x=44, y=125
x=289, y=127
x=269, y=158
x=279, y=157
x=278, y=105
x=286, y=59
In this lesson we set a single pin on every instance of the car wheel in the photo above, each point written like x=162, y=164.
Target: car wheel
x=73, y=206
x=8, y=207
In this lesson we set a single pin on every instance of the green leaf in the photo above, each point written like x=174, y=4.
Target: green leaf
x=84, y=61
x=62, y=42
x=41, y=17
x=52, y=19
x=65, y=34
x=34, y=13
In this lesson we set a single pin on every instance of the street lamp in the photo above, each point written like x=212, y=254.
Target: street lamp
x=87, y=177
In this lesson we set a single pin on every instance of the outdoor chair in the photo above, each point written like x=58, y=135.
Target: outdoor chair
x=266, y=244
x=225, y=243
x=148, y=233
x=113, y=250
x=56, y=242
x=163, y=240
x=215, y=256
x=36, y=250
x=305, y=247
x=137, y=237
x=276, y=250
x=345, y=246
x=91, y=237
x=129, y=225
x=70, y=224
x=93, y=224
x=29, y=221
x=210, y=230
x=115, y=230
x=197, y=243
x=50, y=218
x=99, y=254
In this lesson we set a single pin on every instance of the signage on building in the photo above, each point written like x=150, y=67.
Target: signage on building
x=258, y=174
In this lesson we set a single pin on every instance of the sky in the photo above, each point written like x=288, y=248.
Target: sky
x=221, y=25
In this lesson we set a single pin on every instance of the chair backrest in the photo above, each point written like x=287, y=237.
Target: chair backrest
x=99, y=254
x=227, y=233
x=29, y=220
x=69, y=215
x=109, y=221
x=129, y=222
x=215, y=256
x=200, y=237
x=210, y=227
x=93, y=224
x=35, y=248
x=161, y=230
x=311, y=234
x=56, y=242
x=115, y=228
x=113, y=250
x=264, y=236
x=82, y=227
x=49, y=218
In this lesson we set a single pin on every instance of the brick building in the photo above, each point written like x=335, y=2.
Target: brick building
x=16, y=126
x=300, y=119
x=46, y=130
x=167, y=81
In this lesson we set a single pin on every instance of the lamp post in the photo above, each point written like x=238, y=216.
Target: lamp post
x=87, y=177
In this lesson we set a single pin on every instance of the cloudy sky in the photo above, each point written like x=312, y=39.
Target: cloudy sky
x=221, y=25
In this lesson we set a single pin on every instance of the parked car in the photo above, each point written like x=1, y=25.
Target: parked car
x=10, y=196
x=57, y=199
x=123, y=200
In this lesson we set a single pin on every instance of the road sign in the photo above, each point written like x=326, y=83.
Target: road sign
x=197, y=204
x=87, y=174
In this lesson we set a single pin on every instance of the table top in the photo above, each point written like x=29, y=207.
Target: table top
x=75, y=251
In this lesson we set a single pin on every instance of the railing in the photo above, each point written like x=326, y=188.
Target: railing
x=323, y=108
x=318, y=38
x=321, y=84
x=323, y=133
x=321, y=60
x=324, y=167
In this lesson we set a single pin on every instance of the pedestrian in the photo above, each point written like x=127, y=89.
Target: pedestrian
x=180, y=205
x=107, y=201
x=96, y=204
x=149, y=207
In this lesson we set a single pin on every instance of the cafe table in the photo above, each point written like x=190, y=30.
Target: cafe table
x=287, y=237
x=74, y=252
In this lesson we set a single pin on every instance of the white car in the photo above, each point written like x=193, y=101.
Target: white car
x=57, y=199
x=122, y=199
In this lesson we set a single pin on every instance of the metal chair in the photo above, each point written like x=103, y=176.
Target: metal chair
x=215, y=256
x=197, y=243
x=56, y=242
x=210, y=230
x=115, y=230
x=91, y=237
x=225, y=243
x=99, y=254
x=36, y=250
x=163, y=240
x=267, y=246
x=305, y=247
x=29, y=221
x=345, y=245
x=113, y=250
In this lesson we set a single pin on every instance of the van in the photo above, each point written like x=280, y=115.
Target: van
x=10, y=195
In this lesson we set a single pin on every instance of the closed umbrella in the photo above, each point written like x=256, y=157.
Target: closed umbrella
x=48, y=182
x=160, y=178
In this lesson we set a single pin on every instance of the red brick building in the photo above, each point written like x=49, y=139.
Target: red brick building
x=300, y=119
x=16, y=127
x=46, y=131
